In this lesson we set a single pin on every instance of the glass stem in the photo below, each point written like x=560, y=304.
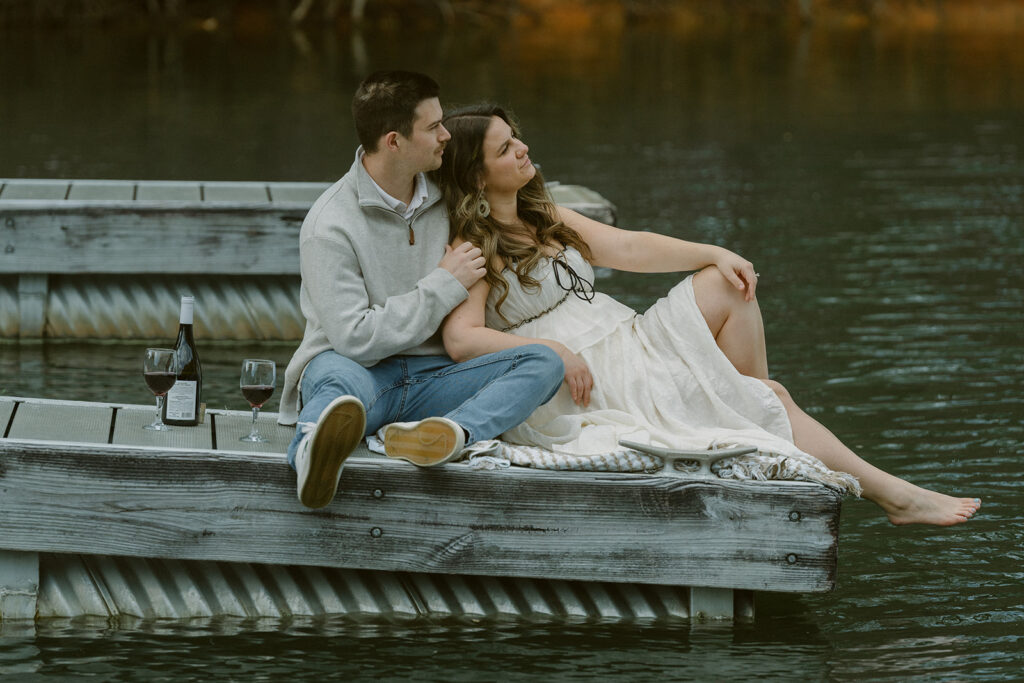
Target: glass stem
x=255, y=412
x=159, y=409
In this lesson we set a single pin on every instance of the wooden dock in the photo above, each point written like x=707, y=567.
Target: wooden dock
x=100, y=516
x=106, y=259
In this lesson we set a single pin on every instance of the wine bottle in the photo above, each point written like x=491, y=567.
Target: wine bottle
x=184, y=400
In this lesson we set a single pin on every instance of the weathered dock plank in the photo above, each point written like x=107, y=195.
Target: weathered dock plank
x=303, y=193
x=102, y=190
x=165, y=531
x=232, y=426
x=235, y=192
x=34, y=189
x=161, y=496
x=242, y=228
x=81, y=423
x=168, y=190
x=129, y=423
x=128, y=237
x=390, y=516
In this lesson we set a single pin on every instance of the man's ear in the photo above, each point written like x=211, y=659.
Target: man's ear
x=391, y=140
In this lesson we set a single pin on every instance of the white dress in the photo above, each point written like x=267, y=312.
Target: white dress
x=659, y=377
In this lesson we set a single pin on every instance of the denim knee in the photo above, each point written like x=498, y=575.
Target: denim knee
x=546, y=364
x=335, y=375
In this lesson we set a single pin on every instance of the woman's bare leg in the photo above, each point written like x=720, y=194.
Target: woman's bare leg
x=736, y=324
x=903, y=502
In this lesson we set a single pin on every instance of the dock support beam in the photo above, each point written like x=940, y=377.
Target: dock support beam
x=19, y=585
x=721, y=603
x=711, y=603
x=32, y=291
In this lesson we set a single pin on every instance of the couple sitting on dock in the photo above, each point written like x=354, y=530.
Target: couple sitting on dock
x=449, y=301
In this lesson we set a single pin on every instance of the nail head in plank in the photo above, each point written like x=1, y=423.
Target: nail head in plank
x=155, y=190
x=102, y=189
x=235, y=192
x=56, y=422
x=305, y=193
x=129, y=431
x=35, y=189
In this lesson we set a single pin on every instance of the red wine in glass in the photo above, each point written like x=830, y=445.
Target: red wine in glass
x=257, y=394
x=159, y=382
x=158, y=369
x=257, y=383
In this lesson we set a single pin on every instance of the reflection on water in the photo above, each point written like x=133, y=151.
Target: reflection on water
x=874, y=177
x=396, y=651
x=113, y=372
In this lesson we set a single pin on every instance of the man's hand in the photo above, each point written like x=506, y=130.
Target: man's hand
x=465, y=262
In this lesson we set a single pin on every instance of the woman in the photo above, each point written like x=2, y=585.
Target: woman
x=692, y=372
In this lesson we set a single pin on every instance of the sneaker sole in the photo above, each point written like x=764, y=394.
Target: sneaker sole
x=426, y=444
x=337, y=435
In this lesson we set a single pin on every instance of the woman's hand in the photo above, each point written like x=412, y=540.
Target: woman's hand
x=739, y=271
x=577, y=375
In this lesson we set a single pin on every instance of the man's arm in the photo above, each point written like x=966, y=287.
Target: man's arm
x=369, y=333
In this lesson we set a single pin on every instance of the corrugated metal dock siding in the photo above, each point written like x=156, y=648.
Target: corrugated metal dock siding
x=230, y=307
x=110, y=259
x=90, y=585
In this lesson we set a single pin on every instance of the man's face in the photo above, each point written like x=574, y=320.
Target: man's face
x=424, y=147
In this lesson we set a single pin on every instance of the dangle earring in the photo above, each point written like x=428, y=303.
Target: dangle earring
x=483, y=207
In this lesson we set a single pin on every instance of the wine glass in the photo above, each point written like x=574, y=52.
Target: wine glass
x=159, y=369
x=257, y=382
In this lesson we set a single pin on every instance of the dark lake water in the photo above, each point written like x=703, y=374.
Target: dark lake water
x=875, y=178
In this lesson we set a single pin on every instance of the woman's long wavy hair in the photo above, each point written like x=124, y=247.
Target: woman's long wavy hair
x=461, y=179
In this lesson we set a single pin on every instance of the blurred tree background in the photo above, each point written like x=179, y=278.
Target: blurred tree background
x=990, y=15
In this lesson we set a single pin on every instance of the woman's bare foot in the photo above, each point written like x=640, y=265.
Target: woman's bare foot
x=903, y=502
x=915, y=505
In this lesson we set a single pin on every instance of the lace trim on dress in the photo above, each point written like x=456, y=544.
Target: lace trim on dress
x=578, y=285
x=534, y=317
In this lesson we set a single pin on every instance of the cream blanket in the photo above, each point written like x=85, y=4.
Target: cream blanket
x=494, y=454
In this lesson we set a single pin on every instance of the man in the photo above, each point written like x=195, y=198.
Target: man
x=378, y=277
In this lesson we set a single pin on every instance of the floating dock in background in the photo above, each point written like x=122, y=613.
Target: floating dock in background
x=100, y=517
x=110, y=259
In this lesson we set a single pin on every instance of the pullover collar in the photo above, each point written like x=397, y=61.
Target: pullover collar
x=370, y=193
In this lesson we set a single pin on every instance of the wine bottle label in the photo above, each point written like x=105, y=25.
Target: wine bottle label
x=181, y=401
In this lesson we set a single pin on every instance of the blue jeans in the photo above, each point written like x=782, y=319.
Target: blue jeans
x=485, y=396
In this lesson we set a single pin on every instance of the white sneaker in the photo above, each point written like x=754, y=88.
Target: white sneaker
x=323, y=450
x=429, y=442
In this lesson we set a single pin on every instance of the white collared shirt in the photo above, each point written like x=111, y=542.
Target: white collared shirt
x=419, y=193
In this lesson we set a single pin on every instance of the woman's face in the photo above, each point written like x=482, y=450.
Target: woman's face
x=507, y=165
